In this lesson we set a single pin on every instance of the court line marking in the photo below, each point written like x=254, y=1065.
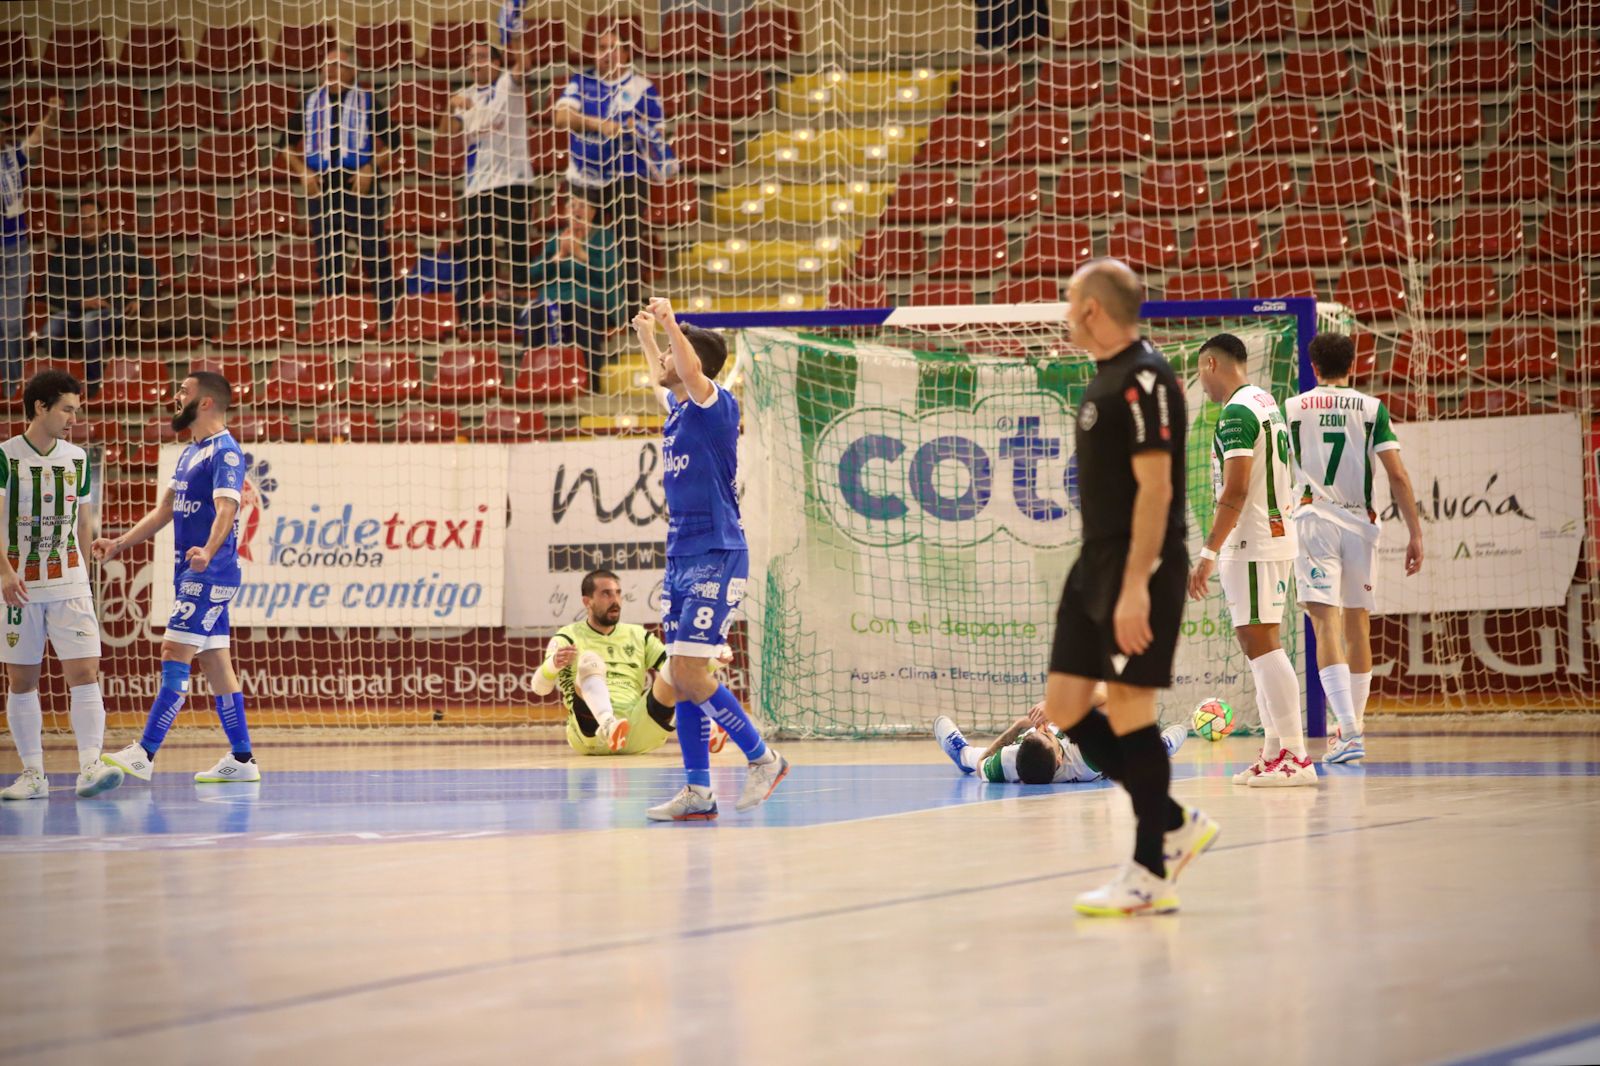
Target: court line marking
x=250, y=1010
x=1514, y=1053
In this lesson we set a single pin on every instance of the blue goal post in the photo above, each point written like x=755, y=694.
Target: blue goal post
x=1302, y=309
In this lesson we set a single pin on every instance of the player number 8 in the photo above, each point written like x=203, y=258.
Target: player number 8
x=703, y=617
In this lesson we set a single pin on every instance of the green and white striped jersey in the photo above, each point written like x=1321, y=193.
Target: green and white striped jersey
x=42, y=495
x=1251, y=424
x=1337, y=434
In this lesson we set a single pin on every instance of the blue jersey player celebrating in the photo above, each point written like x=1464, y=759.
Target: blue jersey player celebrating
x=201, y=502
x=707, y=560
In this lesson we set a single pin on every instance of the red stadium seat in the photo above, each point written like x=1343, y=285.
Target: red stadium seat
x=858, y=294
x=465, y=375
x=1285, y=128
x=419, y=103
x=1542, y=118
x=549, y=375
x=766, y=33
x=1570, y=234
x=1583, y=177
x=1231, y=77
x=1173, y=22
x=1068, y=83
x=1422, y=18
x=1368, y=125
x=422, y=426
x=505, y=425
x=424, y=316
x=1143, y=244
x=546, y=40
x=1496, y=16
x=109, y=105
x=1223, y=243
x=1340, y=182
x=1088, y=192
x=254, y=428
x=150, y=159
x=384, y=378
x=342, y=319
x=73, y=52
x=1314, y=75
x=1566, y=63
x=227, y=157
x=691, y=35
x=1054, y=248
x=1201, y=133
x=383, y=46
x=1257, y=20
x=1173, y=188
x=1487, y=233
x=1339, y=18
x=345, y=425
x=151, y=50
x=1314, y=239
x=1407, y=405
x=302, y=47
x=1479, y=66
x=1038, y=137
x=940, y=294
x=1000, y=194
x=1387, y=238
x=260, y=320
x=1256, y=185
x=731, y=94
x=1447, y=122
x=1117, y=133
x=295, y=268
x=223, y=269
x=890, y=253
x=1517, y=353
x=228, y=50
x=301, y=379
x=69, y=161
x=183, y=213
x=262, y=105
x=425, y=210
x=1373, y=293
x=703, y=147
x=1188, y=286
x=188, y=106
x=970, y=251
x=672, y=204
x=1432, y=356
x=923, y=196
x=265, y=213
x=627, y=27
x=1096, y=23
x=1430, y=178
x=1507, y=176
x=14, y=54
x=955, y=140
x=1026, y=291
x=1458, y=290
x=987, y=88
x=1397, y=70
x=133, y=383
x=1146, y=78
x=450, y=43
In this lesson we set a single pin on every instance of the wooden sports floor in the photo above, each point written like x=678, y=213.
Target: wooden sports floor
x=476, y=897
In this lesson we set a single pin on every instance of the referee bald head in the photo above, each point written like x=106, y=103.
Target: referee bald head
x=1103, y=301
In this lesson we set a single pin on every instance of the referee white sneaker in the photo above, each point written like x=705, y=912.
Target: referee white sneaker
x=762, y=779
x=131, y=760
x=229, y=769
x=29, y=785
x=97, y=777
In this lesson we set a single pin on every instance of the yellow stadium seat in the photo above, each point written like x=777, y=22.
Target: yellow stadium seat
x=774, y=260
x=775, y=201
x=621, y=423
x=790, y=301
x=628, y=376
x=892, y=144
x=865, y=92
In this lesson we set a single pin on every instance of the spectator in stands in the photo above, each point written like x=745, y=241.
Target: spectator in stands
x=16, y=256
x=337, y=145
x=498, y=194
x=580, y=283
x=96, y=279
x=617, y=145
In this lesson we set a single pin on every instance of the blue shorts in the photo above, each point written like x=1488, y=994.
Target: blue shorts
x=200, y=613
x=697, y=601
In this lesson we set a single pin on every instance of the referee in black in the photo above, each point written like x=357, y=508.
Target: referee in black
x=1123, y=601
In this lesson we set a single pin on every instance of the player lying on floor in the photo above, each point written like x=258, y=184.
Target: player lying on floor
x=1032, y=751
x=601, y=665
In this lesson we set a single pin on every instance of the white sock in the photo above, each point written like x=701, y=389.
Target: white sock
x=1270, y=744
x=598, y=698
x=26, y=721
x=1360, y=688
x=1336, y=687
x=88, y=710
x=1276, y=681
x=970, y=757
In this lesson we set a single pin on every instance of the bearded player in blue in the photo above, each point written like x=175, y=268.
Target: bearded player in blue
x=707, y=561
x=202, y=502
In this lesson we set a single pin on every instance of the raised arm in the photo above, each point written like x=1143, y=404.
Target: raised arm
x=684, y=358
x=47, y=121
x=1405, y=499
x=1016, y=729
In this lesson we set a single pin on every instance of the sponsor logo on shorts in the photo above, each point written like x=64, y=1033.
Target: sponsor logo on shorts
x=210, y=618
x=222, y=593
x=1317, y=573
x=708, y=590
x=190, y=588
x=735, y=591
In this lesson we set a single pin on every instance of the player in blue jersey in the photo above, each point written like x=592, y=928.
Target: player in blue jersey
x=707, y=560
x=201, y=501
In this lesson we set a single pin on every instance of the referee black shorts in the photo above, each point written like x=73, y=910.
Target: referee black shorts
x=1085, y=643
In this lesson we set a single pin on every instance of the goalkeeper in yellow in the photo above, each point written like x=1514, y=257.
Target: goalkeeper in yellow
x=602, y=667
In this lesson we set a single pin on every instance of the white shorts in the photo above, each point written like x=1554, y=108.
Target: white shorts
x=1256, y=592
x=1335, y=565
x=73, y=630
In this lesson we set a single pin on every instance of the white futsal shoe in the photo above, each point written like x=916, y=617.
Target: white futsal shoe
x=229, y=769
x=948, y=734
x=1254, y=770
x=131, y=760
x=97, y=777
x=1343, y=749
x=1136, y=891
x=762, y=779
x=29, y=785
x=687, y=806
x=1286, y=771
x=1188, y=842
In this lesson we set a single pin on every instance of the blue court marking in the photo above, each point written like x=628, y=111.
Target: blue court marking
x=364, y=807
x=1568, y=1046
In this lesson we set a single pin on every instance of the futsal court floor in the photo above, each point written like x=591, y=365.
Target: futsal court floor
x=463, y=898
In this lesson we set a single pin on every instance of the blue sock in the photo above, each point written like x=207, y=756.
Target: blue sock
x=168, y=702
x=723, y=708
x=694, y=739
x=231, y=710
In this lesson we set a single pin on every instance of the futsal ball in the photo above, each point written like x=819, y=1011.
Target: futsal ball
x=1213, y=719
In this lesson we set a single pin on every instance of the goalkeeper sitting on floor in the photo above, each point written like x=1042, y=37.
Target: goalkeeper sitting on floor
x=601, y=665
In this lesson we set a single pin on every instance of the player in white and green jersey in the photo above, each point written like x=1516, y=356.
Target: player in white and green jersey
x=46, y=494
x=1339, y=436
x=1252, y=546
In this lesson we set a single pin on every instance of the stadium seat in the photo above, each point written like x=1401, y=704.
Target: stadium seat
x=1422, y=18
x=735, y=94
x=1410, y=405
x=1542, y=118
x=342, y=319
x=252, y=427
x=190, y=106
x=107, y=106
x=987, y=88
x=265, y=213
x=1054, y=248
x=1372, y=293
x=465, y=375
x=228, y=50
x=1223, y=243
x=14, y=54
x=1146, y=78
x=1432, y=356
x=1339, y=18
x=1497, y=403
x=419, y=103
x=1386, y=238
x=67, y=162
x=383, y=46
x=1495, y=16
x=1366, y=124
x=1566, y=63
x=1430, y=178
x=955, y=140
x=302, y=47
x=133, y=383
x=1175, y=22
x=673, y=204
x=295, y=269
x=1256, y=185
x=1282, y=283
x=261, y=105
x=1231, y=77
x=506, y=425
x=1586, y=359
x=691, y=35
x=226, y=158
x=1397, y=70
x=300, y=379
x=1088, y=192
x=428, y=210
x=150, y=159
x=1570, y=234
x=858, y=294
x=549, y=375
x=703, y=147
x=1461, y=291
x=1000, y=195
x=1507, y=176
x=238, y=369
x=450, y=43
x=970, y=251
x=1257, y=21
x=1519, y=353
x=1069, y=83
x=923, y=196
x=546, y=40
x=1200, y=133
x=1116, y=133
x=222, y=269
x=1038, y=137
x=1285, y=128
x=1447, y=122
x=677, y=94
x=421, y=425
x=356, y=426
x=1314, y=75
x=1486, y=233
x=629, y=27
x=260, y=320
x=425, y=316
x=769, y=33
x=1479, y=66
x=1173, y=188
x=384, y=378
x=182, y=213
x=1583, y=175
x=44, y=212
x=1096, y=24
x=1189, y=286
x=889, y=253
x=1339, y=182
x=940, y=294
x=1143, y=244
x=1026, y=291
x=72, y=52
x=1311, y=239
x=151, y=50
